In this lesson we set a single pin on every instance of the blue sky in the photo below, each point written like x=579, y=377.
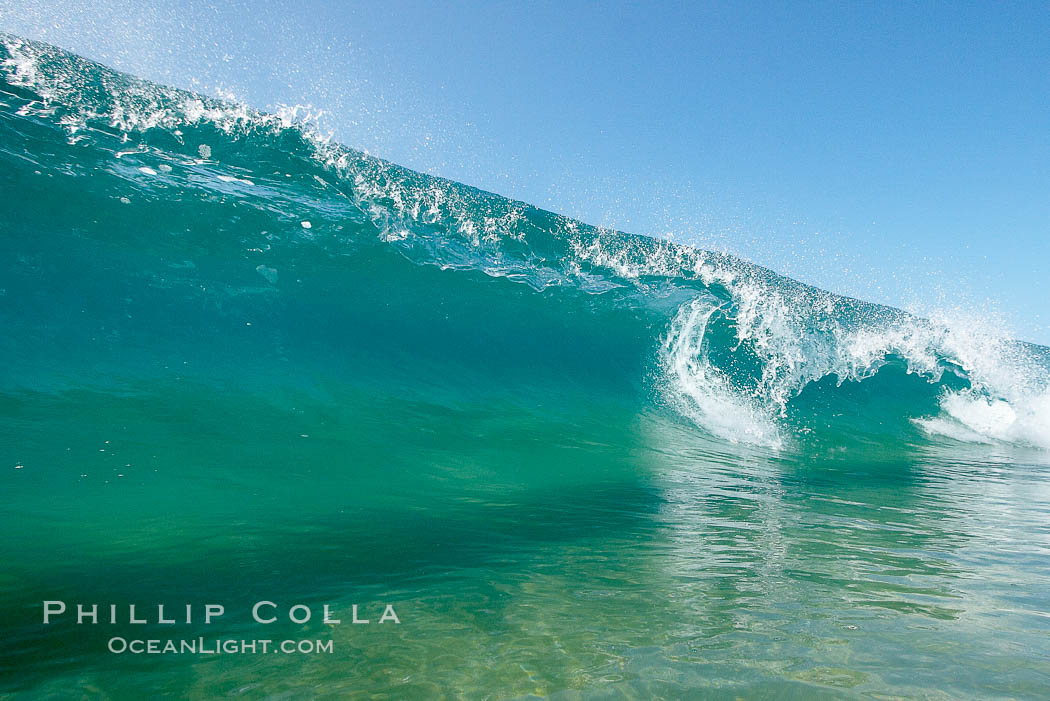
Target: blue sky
x=898, y=152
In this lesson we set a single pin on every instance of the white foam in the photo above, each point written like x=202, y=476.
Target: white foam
x=232, y=179
x=969, y=416
x=704, y=393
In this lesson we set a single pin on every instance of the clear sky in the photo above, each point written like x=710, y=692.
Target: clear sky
x=898, y=152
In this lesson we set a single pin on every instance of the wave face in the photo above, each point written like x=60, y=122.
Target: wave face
x=745, y=354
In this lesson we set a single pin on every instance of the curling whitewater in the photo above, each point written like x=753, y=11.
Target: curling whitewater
x=172, y=197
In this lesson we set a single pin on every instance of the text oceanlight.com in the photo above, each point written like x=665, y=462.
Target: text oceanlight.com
x=200, y=646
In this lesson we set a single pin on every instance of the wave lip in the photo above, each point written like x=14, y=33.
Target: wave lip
x=737, y=368
x=705, y=394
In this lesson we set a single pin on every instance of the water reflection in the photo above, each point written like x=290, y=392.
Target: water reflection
x=861, y=572
x=615, y=553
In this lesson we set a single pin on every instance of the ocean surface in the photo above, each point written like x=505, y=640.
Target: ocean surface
x=242, y=363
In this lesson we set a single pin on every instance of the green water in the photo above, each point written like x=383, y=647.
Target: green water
x=576, y=463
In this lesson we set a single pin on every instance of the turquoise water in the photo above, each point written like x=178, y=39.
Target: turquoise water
x=240, y=363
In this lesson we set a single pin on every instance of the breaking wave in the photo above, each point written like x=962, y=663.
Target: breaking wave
x=236, y=203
